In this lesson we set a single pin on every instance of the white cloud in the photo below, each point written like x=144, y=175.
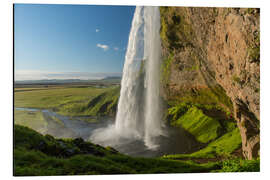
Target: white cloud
x=103, y=46
x=116, y=48
x=97, y=30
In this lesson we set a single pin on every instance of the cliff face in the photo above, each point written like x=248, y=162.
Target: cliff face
x=212, y=56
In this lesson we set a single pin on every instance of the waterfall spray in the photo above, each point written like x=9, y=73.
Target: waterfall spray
x=139, y=113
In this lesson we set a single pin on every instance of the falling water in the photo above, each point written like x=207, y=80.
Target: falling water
x=139, y=114
x=152, y=53
x=129, y=118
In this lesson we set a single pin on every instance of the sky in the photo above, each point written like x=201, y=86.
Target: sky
x=70, y=41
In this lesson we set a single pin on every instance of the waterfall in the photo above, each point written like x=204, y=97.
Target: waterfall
x=152, y=54
x=139, y=113
x=129, y=118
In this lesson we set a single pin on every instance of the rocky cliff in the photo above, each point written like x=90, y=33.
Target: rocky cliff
x=212, y=57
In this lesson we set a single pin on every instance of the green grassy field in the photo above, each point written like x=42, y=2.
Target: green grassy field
x=54, y=97
x=34, y=120
x=66, y=100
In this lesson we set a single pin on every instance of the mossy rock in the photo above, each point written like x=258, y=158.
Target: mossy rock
x=202, y=127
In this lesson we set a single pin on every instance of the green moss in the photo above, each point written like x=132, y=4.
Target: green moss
x=192, y=68
x=202, y=127
x=213, y=97
x=254, y=54
x=240, y=165
x=180, y=109
x=222, y=146
x=175, y=32
x=251, y=10
x=236, y=79
x=166, y=69
x=257, y=90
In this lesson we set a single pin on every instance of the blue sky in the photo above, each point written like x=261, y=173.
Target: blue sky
x=61, y=39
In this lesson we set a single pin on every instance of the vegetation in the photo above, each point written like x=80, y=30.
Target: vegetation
x=202, y=127
x=165, y=69
x=254, y=54
x=34, y=120
x=221, y=147
x=205, y=98
x=175, y=32
x=72, y=101
x=240, y=165
x=50, y=98
x=107, y=103
x=35, y=154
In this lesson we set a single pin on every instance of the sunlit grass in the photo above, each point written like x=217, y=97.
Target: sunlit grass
x=202, y=127
x=223, y=146
x=33, y=119
x=66, y=100
x=53, y=98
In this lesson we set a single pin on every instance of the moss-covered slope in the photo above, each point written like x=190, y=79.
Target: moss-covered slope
x=204, y=128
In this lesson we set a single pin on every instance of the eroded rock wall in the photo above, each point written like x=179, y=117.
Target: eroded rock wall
x=215, y=49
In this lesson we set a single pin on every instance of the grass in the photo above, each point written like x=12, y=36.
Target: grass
x=72, y=101
x=202, y=127
x=35, y=154
x=222, y=146
x=102, y=104
x=240, y=165
x=55, y=97
x=34, y=120
x=208, y=123
x=106, y=104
